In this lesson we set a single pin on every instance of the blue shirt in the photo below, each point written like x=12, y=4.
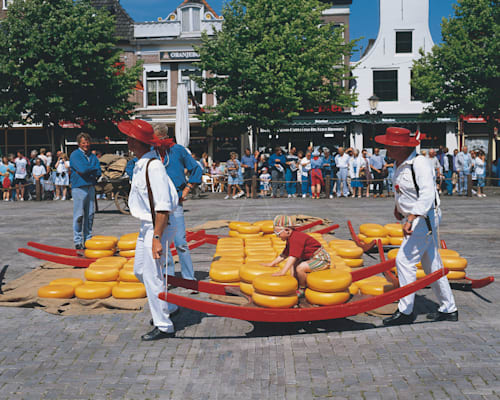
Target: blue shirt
x=281, y=159
x=317, y=163
x=177, y=159
x=249, y=160
x=328, y=164
x=85, y=169
x=12, y=170
x=129, y=169
x=377, y=161
x=3, y=170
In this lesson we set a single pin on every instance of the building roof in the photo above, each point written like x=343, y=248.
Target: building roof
x=207, y=6
x=124, y=23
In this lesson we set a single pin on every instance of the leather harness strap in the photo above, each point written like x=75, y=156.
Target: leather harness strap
x=150, y=193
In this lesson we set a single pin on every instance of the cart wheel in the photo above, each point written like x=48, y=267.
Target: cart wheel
x=121, y=202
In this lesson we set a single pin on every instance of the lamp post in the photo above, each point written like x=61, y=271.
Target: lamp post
x=373, y=101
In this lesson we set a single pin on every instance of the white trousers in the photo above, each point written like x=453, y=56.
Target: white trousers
x=151, y=272
x=420, y=246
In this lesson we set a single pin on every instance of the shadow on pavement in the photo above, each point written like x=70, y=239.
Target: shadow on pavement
x=2, y=276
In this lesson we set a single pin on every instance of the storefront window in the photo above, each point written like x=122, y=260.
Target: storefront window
x=157, y=88
x=385, y=85
x=191, y=19
x=186, y=73
x=403, y=42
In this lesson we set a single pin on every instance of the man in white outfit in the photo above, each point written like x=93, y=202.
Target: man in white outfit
x=151, y=203
x=417, y=201
x=342, y=163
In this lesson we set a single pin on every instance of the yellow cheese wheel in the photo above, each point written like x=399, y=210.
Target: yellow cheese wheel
x=270, y=301
x=259, y=260
x=361, y=236
x=95, y=291
x=395, y=241
x=268, y=229
x=391, y=254
x=260, y=252
x=246, y=288
x=263, y=222
x=231, y=260
x=248, y=229
x=342, y=242
x=374, y=278
x=354, y=262
x=250, y=235
x=128, y=267
x=420, y=273
x=448, y=253
x=354, y=289
x=394, y=230
x=329, y=280
x=224, y=283
x=129, y=292
x=127, y=275
x=101, y=274
x=248, y=272
x=99, y=244
x=326, y=299
x=225, y=273
x=454, y=263
x=235, y=224
x=61, y=291
x=74, y=282
x=133, y=235
x=453, y=275
x=105, y=266
x=342, y=267
x=373, y=230
x=106, y=237
x=225, y=263
x=349, y=251
x=260, y=241
x=234, y=234
x=384, y=239
x=98, y=253
x=127, y=244
x=275, y=285
x=230, y=241
x=230, y=246
x=127, y=253
x=110, y=284
x=230, y=254
x=111, y=260
x=375, y=288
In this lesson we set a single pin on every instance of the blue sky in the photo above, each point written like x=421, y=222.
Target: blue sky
x=364, y=15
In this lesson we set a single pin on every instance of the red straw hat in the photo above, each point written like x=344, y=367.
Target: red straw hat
x=143, y=132
x=398, y=137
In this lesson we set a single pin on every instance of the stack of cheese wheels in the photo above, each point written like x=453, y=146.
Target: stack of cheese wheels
x=230, y=249
x=328, y=287
x=259, y=251
x=244, y=230
x=348, y=251
x=275, y=291
x=278, y=244
x=127, y=244
x=451, y=260
x=374, y=285
x=249, y=271
x=266, y=226
x=370, y=232
x=395, y=234
x=100, y=246
x=62, y=288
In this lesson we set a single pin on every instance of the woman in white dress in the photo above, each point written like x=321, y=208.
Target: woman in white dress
x=62, y=177
x=354, y=168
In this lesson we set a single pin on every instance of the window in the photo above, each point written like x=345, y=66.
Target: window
x=385, y=85
x=192, y=86
x=5, y=4
x=157, y=88
x=404, y=42
x=191, y=19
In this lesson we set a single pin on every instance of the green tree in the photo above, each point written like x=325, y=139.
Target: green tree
x=59, y=61
x=460, y=76
x=271, y=60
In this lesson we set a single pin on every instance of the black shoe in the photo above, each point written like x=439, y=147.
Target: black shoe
x=442, y=316
x=156, y=334
x=79, y=246
x=398, y=318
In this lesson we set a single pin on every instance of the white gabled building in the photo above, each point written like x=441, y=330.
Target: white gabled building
x=384, y=71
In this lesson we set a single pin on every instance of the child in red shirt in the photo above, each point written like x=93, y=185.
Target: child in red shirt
x=303, y=253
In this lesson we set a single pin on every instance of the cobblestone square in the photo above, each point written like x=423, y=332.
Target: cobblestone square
x=43, y=356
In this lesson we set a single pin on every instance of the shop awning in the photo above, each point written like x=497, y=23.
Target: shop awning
x=328, y=120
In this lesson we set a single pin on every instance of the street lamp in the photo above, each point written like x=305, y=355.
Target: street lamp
x=373, y=101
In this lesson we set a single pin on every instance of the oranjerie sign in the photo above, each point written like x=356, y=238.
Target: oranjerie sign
x=179, y=55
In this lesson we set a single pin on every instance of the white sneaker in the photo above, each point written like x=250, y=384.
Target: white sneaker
x=331, y=196
x=5, y=199
x=304, y=196
x=21, y=199
x=56, y=198
x=226, y=198
x=240, y=194
x=289, y=196
x=63, y=198
x=235, y=197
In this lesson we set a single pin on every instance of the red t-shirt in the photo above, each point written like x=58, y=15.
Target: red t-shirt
x=301, y=246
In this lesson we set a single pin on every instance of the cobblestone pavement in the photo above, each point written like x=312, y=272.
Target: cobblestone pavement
x=43, y=356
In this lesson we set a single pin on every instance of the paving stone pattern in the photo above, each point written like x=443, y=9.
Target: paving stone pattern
x=44, y=356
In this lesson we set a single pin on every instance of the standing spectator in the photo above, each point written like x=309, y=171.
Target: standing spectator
x=473, y=157
x=389, y=167
x=327, y=168
x=62, y=176
x=454, y=175
x=366, y=171
x=377, y=165
x=305, y=164
x=448, y=172
x=38, y=173
x=354, y=170
x=262, y=163
x=342, y=163
x=277, y=163
x=11, y=167
x=233, y=177
x=22, y=164
x=300, y=156
x=43, y=156
x=292, y=166
x=249, y=165
x=85, y=169
x=464, y=164
x=204, y=163
x=316, y=175
x=480, y=169
x=436, y=167
x=49, y=160
x=265, y=181
x=5, y=180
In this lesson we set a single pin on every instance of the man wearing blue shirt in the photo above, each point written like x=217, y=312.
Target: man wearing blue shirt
x=377, y=165
x=249, y=165
x=327, y=168
x=176, y=160
x=85, y=169
x=277, y=163
x=292, y=166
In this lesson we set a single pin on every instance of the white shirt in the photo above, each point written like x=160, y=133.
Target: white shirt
x=342, y=161
x=479, y=166
x=164, y=194
x=406, y=198
x=63, y=166
x=305, y=163
x=355, y=162
x=38, y=170
x=435, y=165
x=21, y=164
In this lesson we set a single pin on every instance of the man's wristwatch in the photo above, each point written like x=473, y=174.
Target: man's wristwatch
x=156, y=237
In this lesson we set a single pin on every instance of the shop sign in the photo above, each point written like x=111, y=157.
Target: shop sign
x=171, y=56
x=306, y=129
